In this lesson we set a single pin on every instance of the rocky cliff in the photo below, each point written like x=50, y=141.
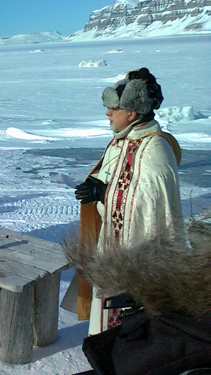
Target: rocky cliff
x=122, y=18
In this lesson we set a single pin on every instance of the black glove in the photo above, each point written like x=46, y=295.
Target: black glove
x=91, y=190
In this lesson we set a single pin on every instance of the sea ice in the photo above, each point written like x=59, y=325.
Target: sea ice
x=92, y=64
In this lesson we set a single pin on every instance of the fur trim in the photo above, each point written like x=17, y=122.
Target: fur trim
x=134, y=96
x=162, y=275
x=110, y=98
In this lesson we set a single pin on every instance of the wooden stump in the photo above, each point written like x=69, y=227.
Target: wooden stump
x=16, y=325
x=29, y=294
x=46, y=308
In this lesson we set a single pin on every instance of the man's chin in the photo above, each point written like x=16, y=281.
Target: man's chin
x=113, y=128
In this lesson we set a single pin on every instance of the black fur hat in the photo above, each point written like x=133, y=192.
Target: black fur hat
x=142, y=73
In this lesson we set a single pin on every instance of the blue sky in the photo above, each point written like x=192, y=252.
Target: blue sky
x=33, y=16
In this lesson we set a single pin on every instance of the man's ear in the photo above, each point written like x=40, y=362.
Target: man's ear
x=132, y=115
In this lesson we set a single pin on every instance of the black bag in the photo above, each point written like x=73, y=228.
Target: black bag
x=167, y=345
x=98, y=350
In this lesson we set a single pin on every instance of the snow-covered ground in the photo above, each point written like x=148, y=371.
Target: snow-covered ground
x=52, y=121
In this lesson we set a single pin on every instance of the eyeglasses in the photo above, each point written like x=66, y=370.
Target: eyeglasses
x=114, y=110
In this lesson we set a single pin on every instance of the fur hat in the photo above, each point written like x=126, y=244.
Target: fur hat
x=142, y=73
x=128, y=95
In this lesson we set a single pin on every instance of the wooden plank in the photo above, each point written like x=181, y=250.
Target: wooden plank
x=34, y=250
x=16, y=325
x=52, y=246
x=28, y=259
x=21, y=270
x=12, y=282
x=46, y=306
x=84, y=298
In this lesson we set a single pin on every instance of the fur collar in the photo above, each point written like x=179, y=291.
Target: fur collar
x=162, y=275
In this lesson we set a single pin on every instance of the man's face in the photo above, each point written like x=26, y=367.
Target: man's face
x=119, y=118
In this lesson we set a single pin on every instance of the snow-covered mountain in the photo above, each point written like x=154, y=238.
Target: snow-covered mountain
x=145, y=18
x=133, y=19
x=45, y=37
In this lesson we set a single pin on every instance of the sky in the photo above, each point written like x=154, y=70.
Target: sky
x=34, y=16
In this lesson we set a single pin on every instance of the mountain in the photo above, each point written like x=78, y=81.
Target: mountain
x=44, y=37
x=133, y=19
x=147, y=18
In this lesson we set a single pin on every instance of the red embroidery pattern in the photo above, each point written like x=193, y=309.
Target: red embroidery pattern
x=123, y=185
x=136, y=183
x=113, y=143
x=113, y=318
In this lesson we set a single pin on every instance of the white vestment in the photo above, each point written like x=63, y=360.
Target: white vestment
x=142, y=197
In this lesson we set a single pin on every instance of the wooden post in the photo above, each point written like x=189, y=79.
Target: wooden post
x=90, y=223
x=46, y=308
x=84, y=299
x=16, y=325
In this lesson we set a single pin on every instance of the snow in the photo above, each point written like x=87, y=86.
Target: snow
x=116, y=4
x=21, y=134
x=177, y=27
x=37, y=51
x=92, y=64
x=130, y=3
x=116, y=50
x=51, y=109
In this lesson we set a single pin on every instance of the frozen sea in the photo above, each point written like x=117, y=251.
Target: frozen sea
x=52, y=121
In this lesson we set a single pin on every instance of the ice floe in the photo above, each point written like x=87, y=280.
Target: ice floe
x=92, y=63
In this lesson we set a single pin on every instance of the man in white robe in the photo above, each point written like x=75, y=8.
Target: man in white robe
x=136, y=185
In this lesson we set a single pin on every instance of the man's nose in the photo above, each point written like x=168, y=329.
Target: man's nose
x=108, y=112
